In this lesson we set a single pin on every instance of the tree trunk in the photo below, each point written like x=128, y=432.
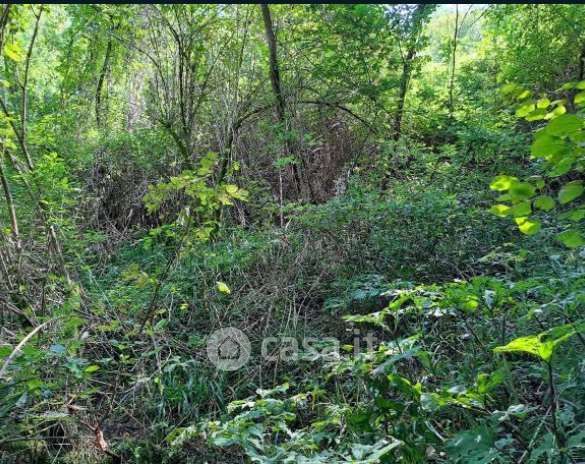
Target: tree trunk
x=453, y=53
x=276, y=87
x=98, y=92
x=10, y=206
x=404, y=80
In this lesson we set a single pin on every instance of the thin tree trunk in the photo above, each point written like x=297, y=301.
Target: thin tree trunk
x=98, y=92
x=276, y=87
x=24, y=102
x=453, y=62
x=404, y=80
x=10, y=206
x=274, y=69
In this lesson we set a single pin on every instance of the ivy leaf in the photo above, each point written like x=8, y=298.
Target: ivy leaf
x=570, y=191
x=571, y=238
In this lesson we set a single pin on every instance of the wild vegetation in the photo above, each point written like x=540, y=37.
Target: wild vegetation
x=387, y=200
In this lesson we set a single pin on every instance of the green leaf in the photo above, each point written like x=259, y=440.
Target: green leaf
x=580, y=85
x=536, y=115
x=503, y=183
x=500, y=210
x=14, y=52
x=568, y=85
x=531, y=345
x=543, y=103
x=522, y=190
x=223, y=288
x=544, y=145
x=528, y=226
x=231, y=189
x=571, y=238
x=91, y=369
x=558, y=111
x=523, y=95
x=562, y=166
x=570, y=191
x=565, y=125
x=580, y=98
x=521, y=209
x=574, y=215
x=525, y=109
x=544, y=203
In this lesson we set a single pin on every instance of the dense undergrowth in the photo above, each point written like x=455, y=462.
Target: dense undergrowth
x=397, y=230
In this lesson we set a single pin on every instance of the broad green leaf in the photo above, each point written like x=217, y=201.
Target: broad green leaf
x=544, y=203
x=521, y=209
x=503, y=183
x=574, y=215
x=528, y=226
x=571, y=238
x=580, y=98
x=570, y=191
x=580, y=85
x=531, y=344
x=525, y=109
x=536, y=115
x=543, y=344
x=565, y=125
x=500, y=210
x=91, y=369
x=522, y=190
x=562, y=167
x=543, y=103
x=544, y=145
x=223, y=288
x=557, y=112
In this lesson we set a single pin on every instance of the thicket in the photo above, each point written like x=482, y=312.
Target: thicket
x=306, y=171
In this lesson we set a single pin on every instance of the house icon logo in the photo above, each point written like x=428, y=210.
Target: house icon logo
x=228, y=349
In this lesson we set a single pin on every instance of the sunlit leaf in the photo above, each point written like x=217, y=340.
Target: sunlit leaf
x=223, y=288
x=503, y=183
x=571, y=238
x=528, y=226
x=500, y=210
x=570, y=191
